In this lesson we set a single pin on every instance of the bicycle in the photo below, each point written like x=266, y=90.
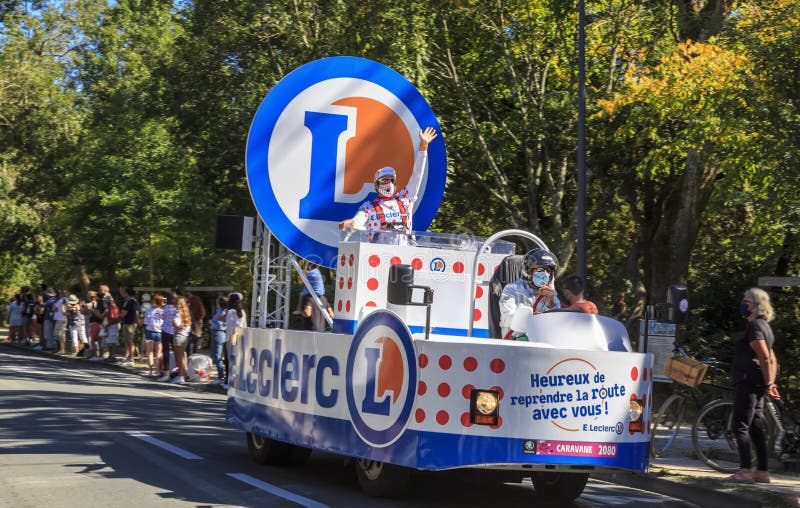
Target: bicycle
x=666, y=423
x=714, y=440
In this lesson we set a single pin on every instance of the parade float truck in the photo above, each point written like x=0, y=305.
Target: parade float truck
x=412, y=376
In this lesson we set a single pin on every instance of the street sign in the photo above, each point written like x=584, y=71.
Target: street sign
x=660, y=342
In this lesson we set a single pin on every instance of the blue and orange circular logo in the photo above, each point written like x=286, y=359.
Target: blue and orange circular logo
x=316, y=141
x=381, y=378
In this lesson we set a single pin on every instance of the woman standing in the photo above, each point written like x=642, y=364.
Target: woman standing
x=167, y=335
x=234, y=318
x=218, y=337
x=754, y=370
x=153, y=320
x=183, y=325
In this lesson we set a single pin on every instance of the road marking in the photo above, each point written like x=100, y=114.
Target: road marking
x=181, y=396
x=277, y=491
x=165, y=446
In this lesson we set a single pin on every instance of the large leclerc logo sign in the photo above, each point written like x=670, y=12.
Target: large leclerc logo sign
x=316, y=141
x=381, y=378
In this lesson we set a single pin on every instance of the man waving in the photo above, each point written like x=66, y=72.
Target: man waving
x=392, y=209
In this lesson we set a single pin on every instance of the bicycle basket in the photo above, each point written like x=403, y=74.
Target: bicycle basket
x=685, y=370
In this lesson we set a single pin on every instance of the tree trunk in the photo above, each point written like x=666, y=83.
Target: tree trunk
x=676, y=232
x=83, y=278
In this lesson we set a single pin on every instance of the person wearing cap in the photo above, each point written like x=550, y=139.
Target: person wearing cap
x=392, y=209
x=76, y=322
x=313, y=317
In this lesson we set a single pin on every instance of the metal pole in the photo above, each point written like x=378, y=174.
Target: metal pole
x=581, y=254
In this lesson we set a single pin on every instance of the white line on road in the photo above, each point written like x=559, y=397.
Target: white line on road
x=277, y=491
x=165, y=446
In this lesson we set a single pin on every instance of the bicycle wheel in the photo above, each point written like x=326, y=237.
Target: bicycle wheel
x=666, y=424
x=713, y=438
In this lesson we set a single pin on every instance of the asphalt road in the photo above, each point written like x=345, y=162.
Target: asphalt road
x=76, y=435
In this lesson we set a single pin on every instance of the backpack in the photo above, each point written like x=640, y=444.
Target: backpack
x=113, y=313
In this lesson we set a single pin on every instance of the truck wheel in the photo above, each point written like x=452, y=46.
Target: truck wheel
x=379, y=479
x=298, y=455
x=561, y=487
x=267, y=451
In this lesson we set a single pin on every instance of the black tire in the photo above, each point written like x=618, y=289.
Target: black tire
x=666, y=424
x=268, y=451
x=713, y=438
x=379, y=479
x=559, y=487
x=298, y=455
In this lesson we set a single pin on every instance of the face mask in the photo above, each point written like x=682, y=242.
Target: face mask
x=541, y=279
x=386, y=190
x=744, y=309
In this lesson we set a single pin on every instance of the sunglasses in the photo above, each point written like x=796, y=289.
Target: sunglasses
x=385, y=180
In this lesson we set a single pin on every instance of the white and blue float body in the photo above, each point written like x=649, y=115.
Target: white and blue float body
x=386, y=387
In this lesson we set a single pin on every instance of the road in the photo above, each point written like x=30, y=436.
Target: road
x=75, y=434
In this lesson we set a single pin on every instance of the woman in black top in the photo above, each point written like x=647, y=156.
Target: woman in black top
x=754, y=370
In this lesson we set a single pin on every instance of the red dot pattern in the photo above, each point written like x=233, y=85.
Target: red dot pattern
x=416, y=263
x=370, y=304
x=478, y=292
x=458, y=267
x=419, y=415
x=445, y=362
x=497, y=365
x=341, y=282
x=442, y=417
x=395, y=261
x=465, y=420
x=443, y=389
x=634, y=373
x=372, y=284
x=422, y=388
x=470, y=363
x=423, y=361
x=374, y=261
x=349, y=283
x=499, y=423
x=347, y=306
x=476, y=315
x=481, y=269
x=467, y=391
x=351, y=259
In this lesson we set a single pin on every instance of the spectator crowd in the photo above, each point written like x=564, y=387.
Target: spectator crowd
x=160, y=330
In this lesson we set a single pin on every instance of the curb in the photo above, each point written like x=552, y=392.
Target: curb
x=701, y=496
x=198, y=387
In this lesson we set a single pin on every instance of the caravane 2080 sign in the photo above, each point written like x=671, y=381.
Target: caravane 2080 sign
x=316, y=141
